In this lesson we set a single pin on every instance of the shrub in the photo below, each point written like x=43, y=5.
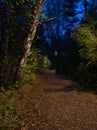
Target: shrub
x=9, y=118
x=36, y=64
x=87, y=41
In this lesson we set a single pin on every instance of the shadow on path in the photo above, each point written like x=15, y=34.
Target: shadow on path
x=65, y=89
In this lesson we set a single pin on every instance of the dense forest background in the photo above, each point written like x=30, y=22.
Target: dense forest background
x=70, y=39
x=66, y=38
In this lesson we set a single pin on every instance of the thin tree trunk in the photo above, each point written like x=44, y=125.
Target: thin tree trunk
x=4, y=66
x=86, y=6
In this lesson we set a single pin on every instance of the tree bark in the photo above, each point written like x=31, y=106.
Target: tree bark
x=4, y=65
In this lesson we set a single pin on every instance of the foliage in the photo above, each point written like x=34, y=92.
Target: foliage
x=9, y=118
x=85, y=36
x=87, y=41
x=36, y=64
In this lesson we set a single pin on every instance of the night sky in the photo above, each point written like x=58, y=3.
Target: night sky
x=59, y=26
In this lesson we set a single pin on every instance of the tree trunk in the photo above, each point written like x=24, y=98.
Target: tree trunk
x=4, y=66
x=86, y=6
x=28, y=42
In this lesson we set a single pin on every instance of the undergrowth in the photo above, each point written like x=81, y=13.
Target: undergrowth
x=9, y=116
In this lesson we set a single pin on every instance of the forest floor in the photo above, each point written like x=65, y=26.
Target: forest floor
x=58, y=103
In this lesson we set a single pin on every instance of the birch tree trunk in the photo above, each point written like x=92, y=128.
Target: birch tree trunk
x=28, y=41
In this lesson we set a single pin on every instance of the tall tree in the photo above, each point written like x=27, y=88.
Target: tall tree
x=4, y=41
x=19, y=20
x=28, y=41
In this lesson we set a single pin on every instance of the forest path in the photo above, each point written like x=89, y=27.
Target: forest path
x=57, y=103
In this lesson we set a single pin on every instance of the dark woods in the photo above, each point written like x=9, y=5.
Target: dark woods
x=18, y=24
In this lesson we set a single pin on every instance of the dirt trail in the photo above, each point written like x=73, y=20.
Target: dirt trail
x=56, y=103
